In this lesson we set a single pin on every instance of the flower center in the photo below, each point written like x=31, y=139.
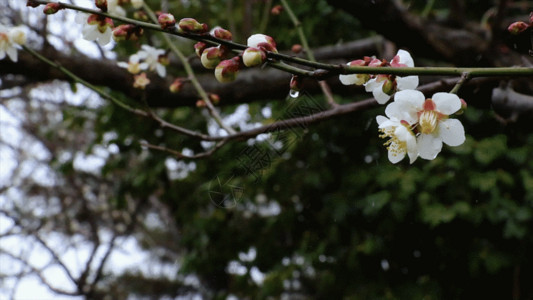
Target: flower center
x=428, y=121
x=394, y=145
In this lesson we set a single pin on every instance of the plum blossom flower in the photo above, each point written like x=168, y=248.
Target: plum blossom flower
x=357, y=79
x=140, y=81
x=383, y=86
x=96, y=28
x=401, y=141
x=134, y=66
x=431, y=117
x=154, y=58
x=10, y=40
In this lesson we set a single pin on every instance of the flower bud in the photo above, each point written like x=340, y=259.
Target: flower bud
x=199, y=48
x=127, y=32
x=166, y=21
x=227, y=70
x=176, y=85
x=517, y=27
x=101, y=4
x=296, y=48
x=214, y=98
x=200, y=103
x=163, y=59
x=276, y=10
x=252, y=57
x=263, y=42
x=389, y=86
x=222, y=33
x=296, y=83
x=141, y=81
x=52, y=8
x=140, y=15
x=190, y=25
x=211, y=57
x=377, y=63
x=32, y=3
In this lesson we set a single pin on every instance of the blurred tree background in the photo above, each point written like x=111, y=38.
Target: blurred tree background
x=323, y=216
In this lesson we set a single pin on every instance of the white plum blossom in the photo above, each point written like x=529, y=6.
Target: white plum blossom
x=96, y=28
x=431, y=117
x=382, y=86
x=401, y=141
x=10, y=40
x=357, y=79
x=152, y=57
x=134, y=65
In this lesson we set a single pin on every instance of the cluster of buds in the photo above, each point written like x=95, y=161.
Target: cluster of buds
x=190, y=25
x=382, y=86
x=127, y=32
x=519, y=27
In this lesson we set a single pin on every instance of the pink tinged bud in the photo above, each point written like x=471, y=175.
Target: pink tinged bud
x=252, y=57
x=357, y=63
x=227, y=70
x=296, y=48
x=517, y=27
x=190, y=25
x=263, y=42
x=199, y=48
x=211, y=57
x=377, y=63
x=389, y=86
x=214, y=98
x=32, y=3
x=200, y=103
x=395, y=62
x=276, y=10
x=52, y=8
x=101, y=4
x=141, y=81
x=296, y=83
x=127, y=32
x=140, y=15
x=176, y=85
x=166, y=21
x=222, y=33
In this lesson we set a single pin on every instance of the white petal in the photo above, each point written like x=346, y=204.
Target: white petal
x=90, y=33
x=411, y=97
x=407, y=83
x=381, y=120
x=105, y=38
x=380, y=96
x=12, y=53
x=122, y=64
x=143, y=66
x=348, y=79
x=405, y=58
x=372, y=84
x=81, y=18
x=161, y=71
x=428, y=146
x=2, y=54
x=452, y=132
x=396, y=157
x=447, y=103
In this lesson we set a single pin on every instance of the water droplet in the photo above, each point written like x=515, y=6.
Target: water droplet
x=294, y=94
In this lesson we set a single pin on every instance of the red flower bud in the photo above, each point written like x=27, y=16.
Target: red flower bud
x=276, y=10
x=296, y=83
x=190, y=25
x=214, y=98
x=127, y=32
x=52, y=8
x=176, y=85
x=32, y=3
x=222, y=33
x=517, y=27
x=101, y=4
x=296, y=48
x=166, y=21
x=227, y=70
x=199, y=48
